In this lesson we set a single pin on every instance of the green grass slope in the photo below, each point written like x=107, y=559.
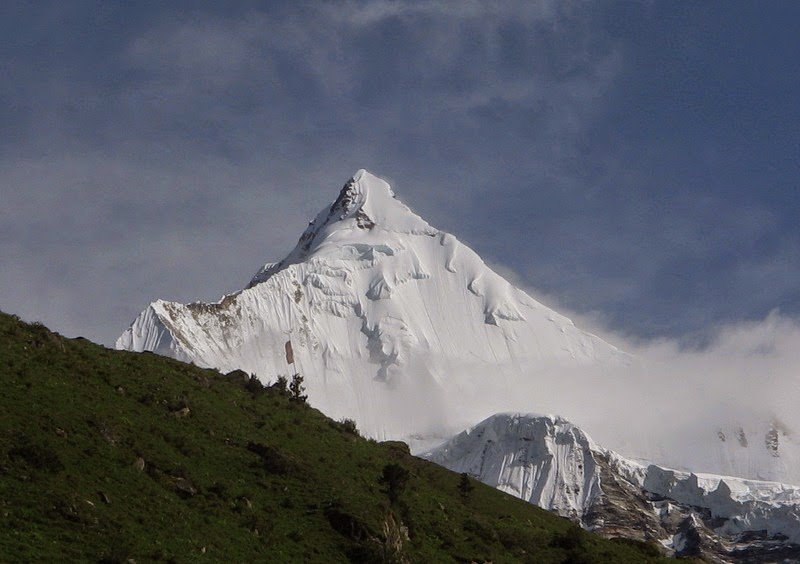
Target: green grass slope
x=114, y=456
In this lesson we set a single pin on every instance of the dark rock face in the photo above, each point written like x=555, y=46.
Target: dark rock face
x=622, y=510
x=627, y=511
x=772, y=442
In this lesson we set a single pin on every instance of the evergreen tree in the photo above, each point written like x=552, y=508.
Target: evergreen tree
x=394, y=477
x=465, y=486
x=296, y=388
x=282, y=384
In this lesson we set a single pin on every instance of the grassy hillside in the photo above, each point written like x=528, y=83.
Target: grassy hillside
x=110, y=456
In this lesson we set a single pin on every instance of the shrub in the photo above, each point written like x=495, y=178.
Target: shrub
x=272, y=460
x=345, y=524
x=465, y=487
x=349, y=426
x=394, y=477
x=282, y=385
x=296, y=389
x=254, y=386
x=36, y=456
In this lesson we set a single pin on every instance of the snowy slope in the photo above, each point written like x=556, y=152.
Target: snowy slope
x=550, y=462
x=392, y=321
x=403, y=328
x=544, y=460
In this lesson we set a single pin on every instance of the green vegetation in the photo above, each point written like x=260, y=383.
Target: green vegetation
x=110, y=456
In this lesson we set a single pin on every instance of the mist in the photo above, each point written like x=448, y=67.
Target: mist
x=687, y=405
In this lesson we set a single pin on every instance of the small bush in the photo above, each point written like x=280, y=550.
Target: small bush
x=465, y=487
x=394, y=477
x=349, y=426
x=237, y=376
x=571, y=539
x=575, y=541
x=345, y=524
x=272, y=460
x=220, y=490
x=296, y=389
x=281, y=385
x=254, y=386
x=38, y=457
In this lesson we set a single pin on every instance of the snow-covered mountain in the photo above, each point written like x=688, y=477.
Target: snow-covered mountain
x=403, y=328
x=553, y=464
x=392, y=321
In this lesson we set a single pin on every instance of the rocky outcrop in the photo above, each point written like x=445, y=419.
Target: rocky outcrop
x=552, y=463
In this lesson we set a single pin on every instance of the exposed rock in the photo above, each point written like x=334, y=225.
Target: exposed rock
x=772, y=442
x=742, y=438
x=184, y=487
x=622, y=510
x=183, y=412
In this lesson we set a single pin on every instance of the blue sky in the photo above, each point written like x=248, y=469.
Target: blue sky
x=633, y=162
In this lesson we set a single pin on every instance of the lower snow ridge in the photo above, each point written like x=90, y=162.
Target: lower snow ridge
x=550, y=462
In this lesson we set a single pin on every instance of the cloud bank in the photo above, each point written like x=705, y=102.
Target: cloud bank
x=688, y=404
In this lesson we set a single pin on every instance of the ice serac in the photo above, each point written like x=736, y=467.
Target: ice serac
x=545, y=460
x=393, y=323
x=551, y=463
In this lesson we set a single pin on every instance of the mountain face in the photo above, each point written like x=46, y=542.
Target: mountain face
x=404, y=329
x=552, y=463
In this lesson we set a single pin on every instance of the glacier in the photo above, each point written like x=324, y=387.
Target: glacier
x=403, y=328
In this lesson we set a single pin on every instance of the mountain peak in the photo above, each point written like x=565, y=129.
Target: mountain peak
x=365, y=209
x=370, y=201
x=363, y=190
x=370, y=180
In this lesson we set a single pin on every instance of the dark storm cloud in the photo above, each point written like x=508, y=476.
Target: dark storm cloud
x=625, y=159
